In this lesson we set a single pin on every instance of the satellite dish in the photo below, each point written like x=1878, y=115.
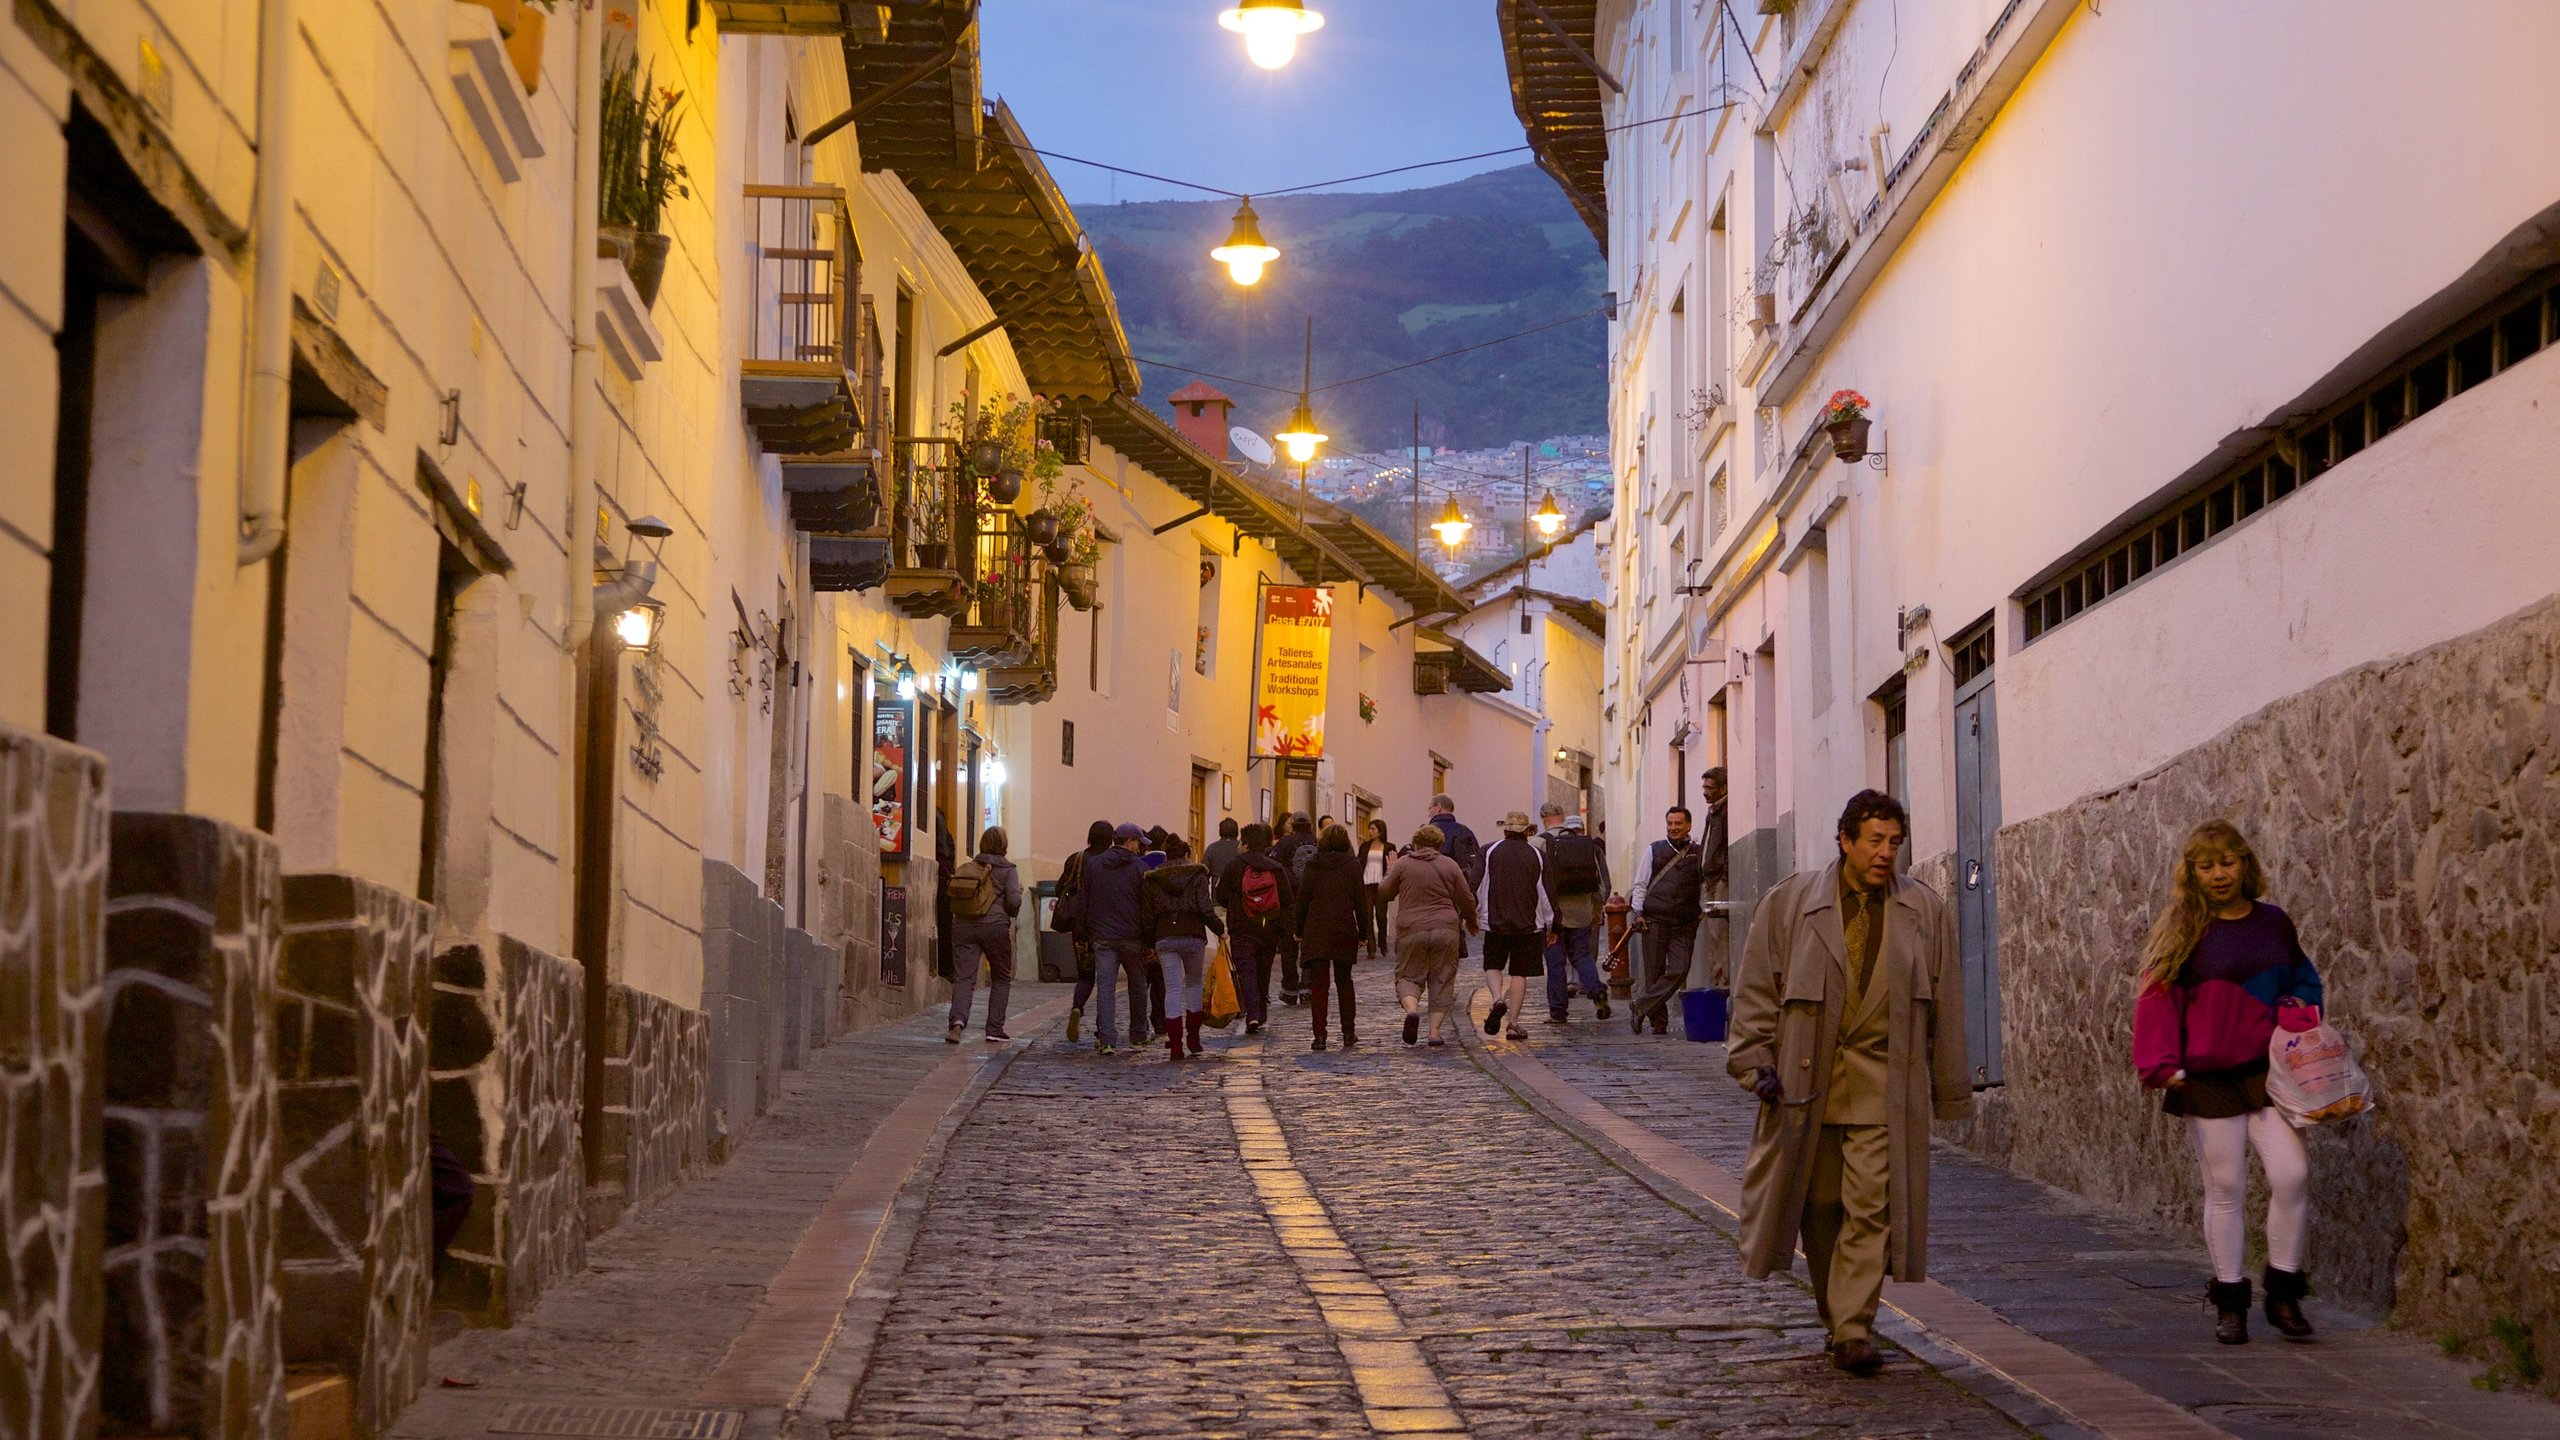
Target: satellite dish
x=1253, y=447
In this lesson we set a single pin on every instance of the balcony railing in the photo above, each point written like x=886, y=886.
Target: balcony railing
x=801, y=380
x=1001, y=624
x=1035, y=677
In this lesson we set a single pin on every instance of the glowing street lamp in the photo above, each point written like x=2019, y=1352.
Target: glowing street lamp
x=1453, y=524
x=1245, y=252
x=1549, y=519
x=637, y=626
x=1271, y=28
x=1302, y=437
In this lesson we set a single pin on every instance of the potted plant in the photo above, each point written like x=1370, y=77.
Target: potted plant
x=1042, y=526
x=996, y=602
x=1076, y=548
x=1845, y=416
x=639, y=173
x=1368, y=708
x=928, y=520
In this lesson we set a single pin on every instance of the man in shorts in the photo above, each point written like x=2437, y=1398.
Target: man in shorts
x=1517, y=902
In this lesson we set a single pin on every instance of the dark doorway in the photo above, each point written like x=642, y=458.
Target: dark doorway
x=1976, y=878
x=454, y=574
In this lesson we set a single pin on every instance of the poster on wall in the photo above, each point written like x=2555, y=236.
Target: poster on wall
x=893, y=736
x=893, y=934
x=1294, y=646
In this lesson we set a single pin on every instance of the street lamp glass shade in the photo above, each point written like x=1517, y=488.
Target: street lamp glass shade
x=1245, y=252
x=1302, y=437
x=637, y=626
x=1453, y=524
x=1271, y=29
x=1549, y=519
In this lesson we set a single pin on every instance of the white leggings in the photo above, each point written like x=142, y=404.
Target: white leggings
x=2222, y=1148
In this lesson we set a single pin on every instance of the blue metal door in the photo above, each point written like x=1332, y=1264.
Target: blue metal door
x=1977, y=877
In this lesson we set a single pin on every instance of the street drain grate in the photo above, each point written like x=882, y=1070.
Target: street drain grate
x=2321, y=1421
x=620, y=1422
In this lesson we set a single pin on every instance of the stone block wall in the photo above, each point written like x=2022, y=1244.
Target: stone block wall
x=194, y=1315
x=509, y=1041
x=53, y=875
x=849, y=910
x=356, y=1227
x=742, y=985
x=657, y=1098
x=2408, y=817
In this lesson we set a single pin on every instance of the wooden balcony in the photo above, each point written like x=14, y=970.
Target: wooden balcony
x=1001, y=631
x=1034, y=677
x=789, y=17
x=801, y=382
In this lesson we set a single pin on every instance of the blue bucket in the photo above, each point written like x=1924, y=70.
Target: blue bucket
x=1703, y=1014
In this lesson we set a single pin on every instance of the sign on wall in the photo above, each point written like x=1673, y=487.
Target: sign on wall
x=893, y=934
x=1293, y=648
x=893, y=744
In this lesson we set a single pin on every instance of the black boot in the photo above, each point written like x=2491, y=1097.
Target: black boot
x=2285, y=1289
x=2231, y=1311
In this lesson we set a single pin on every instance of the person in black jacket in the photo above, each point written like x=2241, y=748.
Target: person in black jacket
x=1097, y=838
x=1258, y=918
x=1177, y=908
x=1111, y=884
x=1329, y=908
x=1292, y=844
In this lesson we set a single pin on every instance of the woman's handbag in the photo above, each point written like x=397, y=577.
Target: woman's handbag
x=1218, y=992
x=2312, y=1075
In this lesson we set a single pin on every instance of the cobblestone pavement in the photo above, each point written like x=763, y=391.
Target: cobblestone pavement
x=2113, y=1290
x=1095, y=1261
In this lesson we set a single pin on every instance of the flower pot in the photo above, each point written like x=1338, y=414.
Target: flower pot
x=525, y=47
x=1849, y=437
x=931, y=553
x=985, y=457
x=1042, y=527
x=648, y=264
x=996, y=613
x=1075, y=581
x=1005, y=486
x=509, y=13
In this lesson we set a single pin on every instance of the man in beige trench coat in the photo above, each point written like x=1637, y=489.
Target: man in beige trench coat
x=1848, y=1023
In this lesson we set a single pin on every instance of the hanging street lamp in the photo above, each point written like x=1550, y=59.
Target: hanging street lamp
x=1302, y=437
x=1453, y=524
x=1549, y=518
x=1245, y=252
x=1271, y=28
x=637, y=626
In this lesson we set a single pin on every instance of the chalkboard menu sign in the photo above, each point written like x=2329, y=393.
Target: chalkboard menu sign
x=893, y=934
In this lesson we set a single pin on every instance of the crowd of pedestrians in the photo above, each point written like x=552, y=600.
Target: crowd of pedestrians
x=1847, y=999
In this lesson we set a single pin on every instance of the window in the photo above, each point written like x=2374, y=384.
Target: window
x=1719, y=504
x=2521, y=323
x=1969, y=654
x=1817, y=619
x=1897, y=741
x=1204, y=653
x=1067, y=743
x=1439, y=776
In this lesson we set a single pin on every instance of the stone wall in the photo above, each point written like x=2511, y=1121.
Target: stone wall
x=509, y=1077
x=193, y=1315
x=356, y=1228
x=657, y=1099
x=742, y=984
x=53, y=874
x=849, y=910
x=2408, y=818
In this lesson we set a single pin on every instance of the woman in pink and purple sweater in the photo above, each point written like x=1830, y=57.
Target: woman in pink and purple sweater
x=2218, y=963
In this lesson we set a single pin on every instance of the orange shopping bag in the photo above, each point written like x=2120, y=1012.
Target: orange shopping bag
x=1219, y=990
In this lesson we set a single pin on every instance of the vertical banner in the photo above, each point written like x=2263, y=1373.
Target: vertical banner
x=893, y=731
x=1295, y=646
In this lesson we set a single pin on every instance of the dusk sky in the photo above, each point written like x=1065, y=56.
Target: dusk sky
x=1157, y=85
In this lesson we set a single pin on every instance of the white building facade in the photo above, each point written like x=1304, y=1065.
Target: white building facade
x=2210, y=409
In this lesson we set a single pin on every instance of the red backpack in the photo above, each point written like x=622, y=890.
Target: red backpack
x=1261, y=890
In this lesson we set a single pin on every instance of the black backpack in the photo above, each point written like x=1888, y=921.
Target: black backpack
x=1574, y=862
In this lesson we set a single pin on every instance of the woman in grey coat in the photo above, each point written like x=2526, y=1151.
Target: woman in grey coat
x=986, y=893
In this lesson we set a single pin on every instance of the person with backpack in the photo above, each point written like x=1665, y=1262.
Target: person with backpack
x=1066, y=915
x=985, y=894
x=1578, y=873
x=1259, y=898
x=1296, y=840
x=1328, y=916
x=1457, y=841
x=1435, y=911
x=1669, y=899
x=1177, y=907
x=2218, y=963
x=1377, y=852
x=1112, y=916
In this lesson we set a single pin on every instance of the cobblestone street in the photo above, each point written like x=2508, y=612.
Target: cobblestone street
x=1492, y=1239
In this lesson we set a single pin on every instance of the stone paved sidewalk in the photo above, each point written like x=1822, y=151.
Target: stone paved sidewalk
x=2110, y=1289
x=664, y=1295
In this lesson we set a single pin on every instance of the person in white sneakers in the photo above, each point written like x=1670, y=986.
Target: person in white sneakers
x=1517, y=904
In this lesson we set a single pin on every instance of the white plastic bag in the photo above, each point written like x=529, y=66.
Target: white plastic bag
x=2312, y=1075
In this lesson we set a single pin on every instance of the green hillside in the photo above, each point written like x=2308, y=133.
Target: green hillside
x=1390, y=278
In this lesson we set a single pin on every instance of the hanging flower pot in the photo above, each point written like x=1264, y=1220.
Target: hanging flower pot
x=1849, y=437
x=648, y=264
x=1058, y=550
x=1042, y=527
x=1845, y=416
x=985, y=457
x=1075, y=581
x=1005, y=486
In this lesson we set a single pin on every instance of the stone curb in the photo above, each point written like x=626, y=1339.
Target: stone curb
x=2042, y=1386
x=825, y=1391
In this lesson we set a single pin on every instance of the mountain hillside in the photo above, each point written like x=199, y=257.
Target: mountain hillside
x=1390, y=278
